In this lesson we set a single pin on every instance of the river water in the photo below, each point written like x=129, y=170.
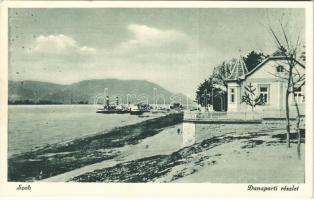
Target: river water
x=37, y=125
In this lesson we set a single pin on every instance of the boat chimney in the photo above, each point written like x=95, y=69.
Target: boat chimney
x=117, y=100
x=107, y=101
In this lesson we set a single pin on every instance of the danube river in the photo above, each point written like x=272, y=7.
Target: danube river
x=37, y=125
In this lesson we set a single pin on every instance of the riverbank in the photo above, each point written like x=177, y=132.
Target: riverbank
x=166, y=141
x=62, y=157
x=251, y=156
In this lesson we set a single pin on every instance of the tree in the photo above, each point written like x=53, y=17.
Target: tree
x=214, y=86
x=291, y=50
x=250, y=98
x=253, y=59
x=222, y=72
x=220, y=75
x=203, y=92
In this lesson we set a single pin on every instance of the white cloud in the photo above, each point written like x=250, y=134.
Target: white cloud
x=86, y=50
x=59, y=44
x=151, y=39
x=167, y=53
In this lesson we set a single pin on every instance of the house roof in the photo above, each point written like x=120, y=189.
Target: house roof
x=268, y=59
x=247, y=74
x=239, y=70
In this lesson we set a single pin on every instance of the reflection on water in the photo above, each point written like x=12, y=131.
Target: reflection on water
x=188, y=134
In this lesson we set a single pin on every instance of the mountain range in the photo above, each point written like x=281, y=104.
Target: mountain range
x=91, y=92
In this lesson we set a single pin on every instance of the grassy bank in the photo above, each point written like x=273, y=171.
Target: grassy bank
x=62, y=157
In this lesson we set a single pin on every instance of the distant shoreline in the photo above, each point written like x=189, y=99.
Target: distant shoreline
x=46, y=103
x=55, y=105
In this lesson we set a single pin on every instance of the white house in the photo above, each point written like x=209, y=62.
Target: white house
x=269, y=80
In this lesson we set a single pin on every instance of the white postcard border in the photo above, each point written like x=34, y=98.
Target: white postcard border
x=151, y=189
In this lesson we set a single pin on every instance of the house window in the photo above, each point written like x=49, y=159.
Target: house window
x=264, y=92
x=280, y=68
x=298, y=95
x=232, y=95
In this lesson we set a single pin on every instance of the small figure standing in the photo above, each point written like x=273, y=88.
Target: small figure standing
x=178, y=131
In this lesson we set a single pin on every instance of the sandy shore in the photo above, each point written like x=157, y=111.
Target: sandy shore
x=244, y=155
x=152, y=151
x=165, y=142
x=63, y=157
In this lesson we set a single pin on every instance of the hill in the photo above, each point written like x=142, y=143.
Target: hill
x=90, y=92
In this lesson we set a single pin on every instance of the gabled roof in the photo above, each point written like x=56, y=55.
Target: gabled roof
x=247, y=74
x=239, y=70
x=268, y=59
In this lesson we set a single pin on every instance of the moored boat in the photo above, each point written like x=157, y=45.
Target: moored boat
x=104, y=111
x=138, y=109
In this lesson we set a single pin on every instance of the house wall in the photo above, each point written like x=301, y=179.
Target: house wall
x=265, y=76
x=234, y=106
x=275, y=98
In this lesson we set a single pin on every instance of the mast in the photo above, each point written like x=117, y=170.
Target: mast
x=106, y=98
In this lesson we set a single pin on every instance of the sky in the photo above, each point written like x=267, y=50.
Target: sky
x=176, y=48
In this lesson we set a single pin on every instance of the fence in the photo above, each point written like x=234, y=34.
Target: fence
x=237, y=115
x=221, y=116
